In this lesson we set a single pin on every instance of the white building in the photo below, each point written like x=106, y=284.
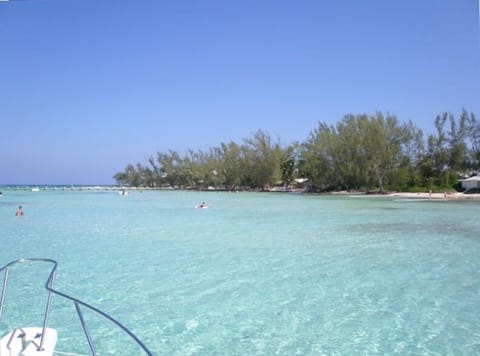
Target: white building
x=471, y=183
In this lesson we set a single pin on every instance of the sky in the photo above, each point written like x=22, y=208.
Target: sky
x=89, y=86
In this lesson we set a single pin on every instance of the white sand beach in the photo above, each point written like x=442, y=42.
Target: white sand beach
x=443, y=196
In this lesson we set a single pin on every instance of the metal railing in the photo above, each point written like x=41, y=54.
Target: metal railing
x=78, y=304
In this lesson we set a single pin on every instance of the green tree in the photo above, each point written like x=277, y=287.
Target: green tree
x=457, y=145
x=474, y=137
x=261, y=160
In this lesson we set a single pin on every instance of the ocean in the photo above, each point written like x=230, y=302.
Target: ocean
x=254, y=274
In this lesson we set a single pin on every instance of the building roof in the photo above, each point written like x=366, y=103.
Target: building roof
x=471, y=179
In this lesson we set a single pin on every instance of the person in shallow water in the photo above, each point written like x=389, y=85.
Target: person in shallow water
x=19, y=211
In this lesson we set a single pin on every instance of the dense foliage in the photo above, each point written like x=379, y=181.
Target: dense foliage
x=361, y=152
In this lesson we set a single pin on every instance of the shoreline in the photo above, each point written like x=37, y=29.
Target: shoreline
x=436, y=196
x=404, y=195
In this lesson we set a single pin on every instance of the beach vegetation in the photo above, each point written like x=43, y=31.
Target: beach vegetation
x=373, y=153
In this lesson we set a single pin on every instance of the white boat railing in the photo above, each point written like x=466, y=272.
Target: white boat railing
x=78, y=304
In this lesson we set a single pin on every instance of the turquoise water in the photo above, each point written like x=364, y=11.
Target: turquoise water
x=255, y=274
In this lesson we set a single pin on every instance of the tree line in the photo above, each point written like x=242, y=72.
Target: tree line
x=360, y=152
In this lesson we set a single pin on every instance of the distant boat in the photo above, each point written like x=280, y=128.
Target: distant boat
x=36, y=189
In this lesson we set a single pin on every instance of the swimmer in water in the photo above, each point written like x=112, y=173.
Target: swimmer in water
x=19, y=211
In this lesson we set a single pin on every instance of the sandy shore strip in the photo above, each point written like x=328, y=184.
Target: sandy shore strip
x=436, y=196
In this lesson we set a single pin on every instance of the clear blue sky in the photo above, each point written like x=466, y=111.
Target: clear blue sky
x=88, y=86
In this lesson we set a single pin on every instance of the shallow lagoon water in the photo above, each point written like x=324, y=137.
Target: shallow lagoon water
x=255, y=273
